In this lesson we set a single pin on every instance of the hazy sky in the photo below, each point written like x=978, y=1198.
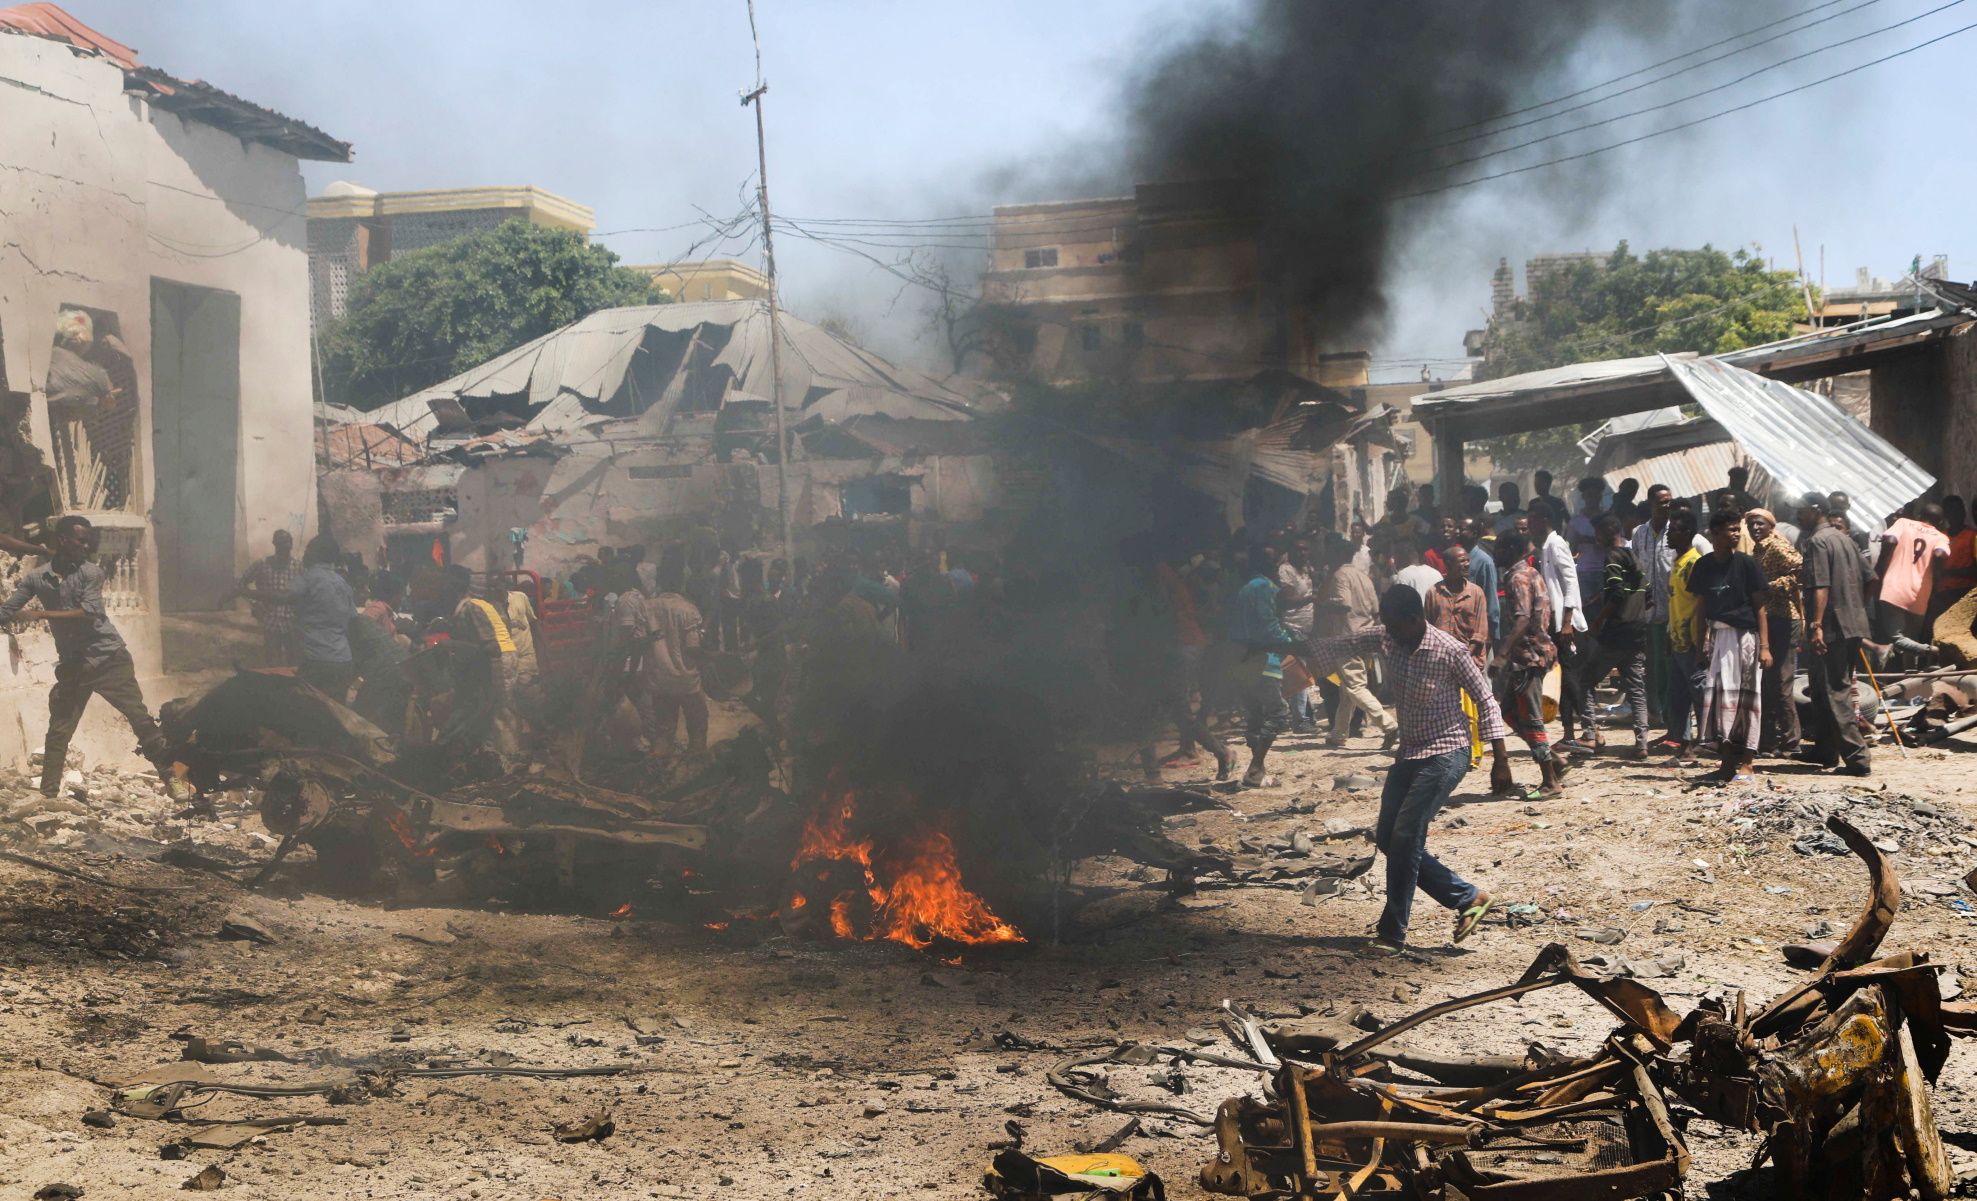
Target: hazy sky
x=897, y=109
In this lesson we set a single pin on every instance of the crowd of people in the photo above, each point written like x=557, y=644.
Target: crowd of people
x=1446, y=633
x=656, y=626
x=1443, y=633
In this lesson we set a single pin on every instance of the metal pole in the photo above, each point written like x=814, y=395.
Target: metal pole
x=769, y=262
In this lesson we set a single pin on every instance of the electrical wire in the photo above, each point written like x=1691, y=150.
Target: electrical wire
x=1658, y=79
x=1689, y=124
x=1667, y=104
x=1531, y=108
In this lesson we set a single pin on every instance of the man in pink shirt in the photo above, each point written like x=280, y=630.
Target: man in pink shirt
x=1911, y=551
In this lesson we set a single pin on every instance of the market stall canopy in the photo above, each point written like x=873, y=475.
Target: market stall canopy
x=659, y=362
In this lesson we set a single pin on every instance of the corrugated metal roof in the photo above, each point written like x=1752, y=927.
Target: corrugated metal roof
x=1878, y=333
x=1533, y=384
x=1806, y=441
x=601, y=368
x=49, y=21
x=192, y=98
x=1603, y=377
x=1694, y=471
x=357, y=444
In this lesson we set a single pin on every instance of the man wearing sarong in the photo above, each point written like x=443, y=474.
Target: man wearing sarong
x=1737, y=645
x=1782, y=565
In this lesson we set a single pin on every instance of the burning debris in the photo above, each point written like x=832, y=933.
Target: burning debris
x=903, y=885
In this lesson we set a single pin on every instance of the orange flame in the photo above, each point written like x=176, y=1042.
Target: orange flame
x=494, y=844
x=913, y=882
x=624, y=910
x=402, y=826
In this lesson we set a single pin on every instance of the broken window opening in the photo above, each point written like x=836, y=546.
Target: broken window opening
x=417, y=506
x=92, y=411
x=878, y=496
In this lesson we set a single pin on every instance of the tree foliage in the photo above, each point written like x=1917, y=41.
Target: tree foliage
x=433, y=313
x=1625, y=305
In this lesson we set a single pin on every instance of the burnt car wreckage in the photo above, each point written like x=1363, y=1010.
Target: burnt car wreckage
x=1835, y=1073
x=408, y=820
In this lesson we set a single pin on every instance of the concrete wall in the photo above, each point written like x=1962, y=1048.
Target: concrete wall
x=598, y=496
x=1959, y=441
x=101, y=193
x=1908, y=408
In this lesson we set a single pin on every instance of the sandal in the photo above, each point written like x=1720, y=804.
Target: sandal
x=1467, y=921
x=1743, y=777
x=1377, y=948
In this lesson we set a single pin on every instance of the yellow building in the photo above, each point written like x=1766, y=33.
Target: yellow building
x=353, y=228
x=708, y=279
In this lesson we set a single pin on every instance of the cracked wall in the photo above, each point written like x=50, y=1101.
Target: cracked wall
x=100, y=194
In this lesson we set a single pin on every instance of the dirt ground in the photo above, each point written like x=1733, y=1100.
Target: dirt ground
x=798, y=1069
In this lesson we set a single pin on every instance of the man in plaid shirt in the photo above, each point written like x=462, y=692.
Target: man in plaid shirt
x=1430, y=671
x=267, y=579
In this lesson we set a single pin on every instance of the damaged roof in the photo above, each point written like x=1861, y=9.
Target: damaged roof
x=1802, y=439
x=1806, y=441
x=659, y=362
x=192, y=99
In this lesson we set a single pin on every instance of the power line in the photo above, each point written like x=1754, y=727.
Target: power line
x=1466, y=183
x=1696, y=95
x=1661, y=78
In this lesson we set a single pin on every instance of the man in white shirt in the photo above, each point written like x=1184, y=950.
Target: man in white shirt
x=1411, y=571
x=1560, y=573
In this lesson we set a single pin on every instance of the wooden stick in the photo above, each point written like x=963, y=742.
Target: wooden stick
x=1869, y=665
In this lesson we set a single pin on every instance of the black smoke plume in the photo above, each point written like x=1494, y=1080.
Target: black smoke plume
x=1336, y=115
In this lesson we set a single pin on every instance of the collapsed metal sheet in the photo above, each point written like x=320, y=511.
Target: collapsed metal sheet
x=1806, y=441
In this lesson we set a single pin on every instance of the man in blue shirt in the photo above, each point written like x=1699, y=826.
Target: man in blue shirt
x=90, y=656
x=1255, y=627
x=324, y=605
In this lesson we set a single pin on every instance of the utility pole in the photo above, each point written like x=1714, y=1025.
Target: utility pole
x=754, y=97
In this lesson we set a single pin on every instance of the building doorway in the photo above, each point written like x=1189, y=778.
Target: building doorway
x=195, y=441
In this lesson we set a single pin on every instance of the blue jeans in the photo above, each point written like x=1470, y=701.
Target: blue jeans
x=1416, y=791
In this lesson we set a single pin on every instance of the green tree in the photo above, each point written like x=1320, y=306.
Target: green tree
x=433, y=313
x=1625, y=305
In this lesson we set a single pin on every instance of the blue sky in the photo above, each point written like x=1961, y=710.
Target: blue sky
x=890, y=108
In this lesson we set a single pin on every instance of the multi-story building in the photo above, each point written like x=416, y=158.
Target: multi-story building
x=353, y=228
x=708, y=279
x=1167, y=285
x=154, y=338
